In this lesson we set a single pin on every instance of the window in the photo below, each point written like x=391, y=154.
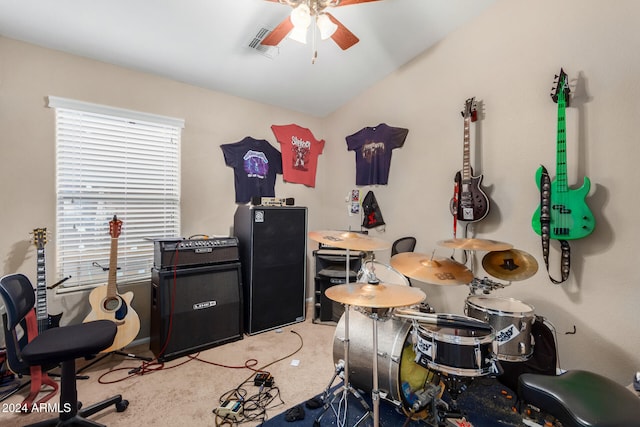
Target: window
x=113, y=162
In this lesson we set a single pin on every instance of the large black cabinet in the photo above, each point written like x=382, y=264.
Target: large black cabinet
x=273, y=247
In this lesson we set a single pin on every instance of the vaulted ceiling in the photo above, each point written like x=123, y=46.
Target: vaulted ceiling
x=207, y=43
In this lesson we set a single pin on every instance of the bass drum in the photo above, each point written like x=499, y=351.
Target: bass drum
x=400, y=380
x=384, y=273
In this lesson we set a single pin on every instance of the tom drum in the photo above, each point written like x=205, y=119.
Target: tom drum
x=456, y=350
x=512, y=321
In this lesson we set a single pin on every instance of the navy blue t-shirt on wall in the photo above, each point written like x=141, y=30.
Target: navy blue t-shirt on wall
x=255, y=164
x=373, y=146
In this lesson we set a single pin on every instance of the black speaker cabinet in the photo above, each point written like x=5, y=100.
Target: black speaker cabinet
x=331, y=269
x=193, y=309
x=273, y=253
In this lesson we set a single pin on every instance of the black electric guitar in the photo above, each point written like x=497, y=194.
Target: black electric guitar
x=107, y=303
x=45, y=320
x=570, y=217
x=470, y=203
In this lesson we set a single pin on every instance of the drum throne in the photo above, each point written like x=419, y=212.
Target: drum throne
x=581, y=399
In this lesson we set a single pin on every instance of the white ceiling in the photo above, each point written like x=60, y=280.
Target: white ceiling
x=205, y=42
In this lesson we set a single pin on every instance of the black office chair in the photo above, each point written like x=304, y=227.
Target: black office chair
x=403, y=244
x=61, y=345
x=581, y=399
x=38, y=374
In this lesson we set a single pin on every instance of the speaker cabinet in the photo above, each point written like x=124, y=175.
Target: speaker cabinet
x=331, y=269
x=193, y=309
x=273, y=254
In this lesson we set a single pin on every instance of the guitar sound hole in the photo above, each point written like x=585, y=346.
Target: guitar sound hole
x=111, y=304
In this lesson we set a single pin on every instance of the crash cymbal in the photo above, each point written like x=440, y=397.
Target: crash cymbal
x=349, y=240
x=475, y=244
x=512, y=264
x=381, y=295
x=429, y=269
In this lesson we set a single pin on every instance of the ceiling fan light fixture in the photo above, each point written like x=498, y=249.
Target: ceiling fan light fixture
x=326, y=27
x=301, y=19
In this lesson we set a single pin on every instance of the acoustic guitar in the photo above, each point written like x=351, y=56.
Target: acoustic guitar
x=45, y=320
x=107, y=303
x=469, y=203
x=570, y=216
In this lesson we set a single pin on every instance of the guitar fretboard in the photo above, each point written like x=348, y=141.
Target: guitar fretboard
x=561, y=154
x=41, y=292
x=466, y=156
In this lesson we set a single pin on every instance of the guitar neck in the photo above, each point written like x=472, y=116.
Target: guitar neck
x=112, y=290
x=561, y=148
x=466, y=163
x=41, y=292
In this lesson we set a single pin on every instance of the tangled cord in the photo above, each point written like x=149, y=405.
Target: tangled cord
x=254, y=407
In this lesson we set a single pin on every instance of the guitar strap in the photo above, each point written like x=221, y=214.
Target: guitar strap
x=545, y=229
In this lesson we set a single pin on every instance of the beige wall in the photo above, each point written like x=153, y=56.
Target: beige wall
x=506, y=58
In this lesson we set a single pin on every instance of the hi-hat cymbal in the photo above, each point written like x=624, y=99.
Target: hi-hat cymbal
x=429, y=269
x=512, y=264
x=349, y=240
x=475, y=244
x=380, y=295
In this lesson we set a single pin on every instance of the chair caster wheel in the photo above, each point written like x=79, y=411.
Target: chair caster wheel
x=122, y=405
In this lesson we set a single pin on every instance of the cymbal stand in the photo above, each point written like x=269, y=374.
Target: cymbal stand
x=346, y=388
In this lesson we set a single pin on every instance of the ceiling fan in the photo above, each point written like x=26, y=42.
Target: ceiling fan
x=303, y=13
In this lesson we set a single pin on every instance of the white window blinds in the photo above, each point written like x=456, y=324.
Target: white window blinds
x=113, y=162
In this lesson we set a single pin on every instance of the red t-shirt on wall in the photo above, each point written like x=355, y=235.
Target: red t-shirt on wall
x=300, y=151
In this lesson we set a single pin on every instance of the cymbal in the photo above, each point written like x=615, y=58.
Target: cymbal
x=349, y=240
x=475, y=244
x=380, y=295
x=429, y=269
x=512, y=264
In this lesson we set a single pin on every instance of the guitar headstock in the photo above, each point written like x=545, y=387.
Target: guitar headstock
x=39, y=237
x=470, y=110
x=561, y=91
x=115, y=227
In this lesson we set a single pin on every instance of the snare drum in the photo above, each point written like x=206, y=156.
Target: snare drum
x=460, y=350
x=385, y=273
x=400, y=380
x=512, y=321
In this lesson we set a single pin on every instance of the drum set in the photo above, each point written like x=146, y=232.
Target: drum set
x=412, y=354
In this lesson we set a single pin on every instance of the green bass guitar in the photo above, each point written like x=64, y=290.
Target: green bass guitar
x=570, y=217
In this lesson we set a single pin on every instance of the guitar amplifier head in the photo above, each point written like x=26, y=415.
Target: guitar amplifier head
x=177, y=253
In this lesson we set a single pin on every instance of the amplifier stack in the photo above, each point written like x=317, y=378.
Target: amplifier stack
x=196, y=295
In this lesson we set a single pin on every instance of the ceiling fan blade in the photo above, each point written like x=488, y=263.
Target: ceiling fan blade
x=342, y=36
x=278, y=33
x=348, y=2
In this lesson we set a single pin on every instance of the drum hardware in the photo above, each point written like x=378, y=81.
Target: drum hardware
x=430, y=269
x=349, y=240
x=485, y=284
x=512, y=264
x=373, y=270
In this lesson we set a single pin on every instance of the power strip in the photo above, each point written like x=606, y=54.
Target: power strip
x=231, y=409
